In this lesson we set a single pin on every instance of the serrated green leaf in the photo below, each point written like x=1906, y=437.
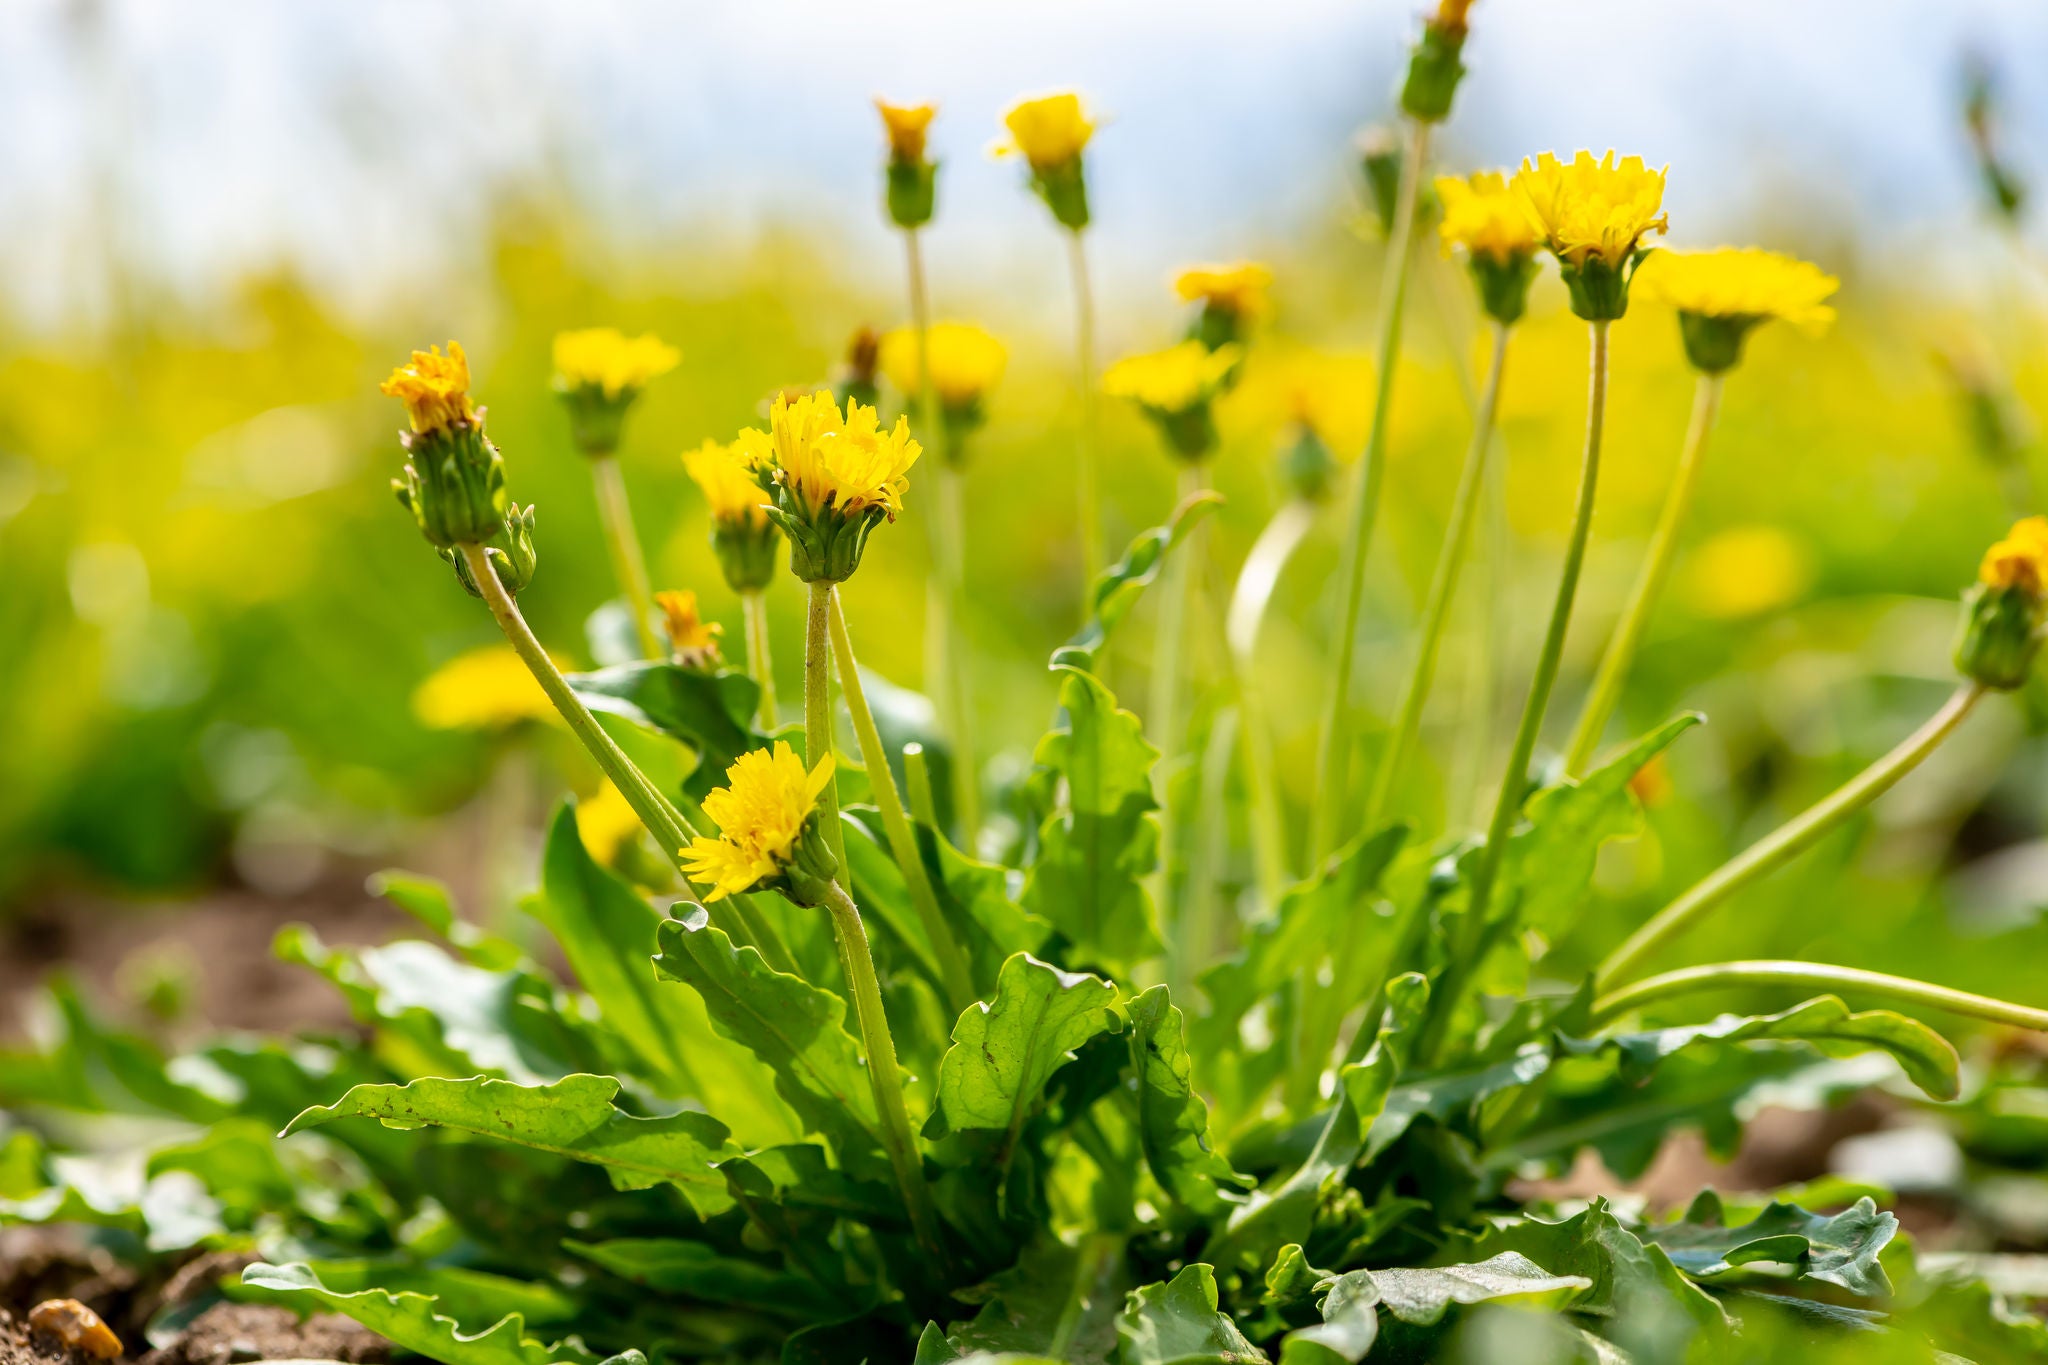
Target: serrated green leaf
x=1825, y=1021
x=1422, y=1297
x=1176, y=1323
x=797, y=1030
x=1173, y=1122
x=21, y=1165
x=672, y=1266
x=1004, y=1050
x=608, y=932
x=710, y=712
x=1057, y=1302
x=1350, y=1325
x=1841, y=1249
x=1119, y=587
x=1450, y=1096
x=574, y=1117
x=461, y=1293
x=431, y=903
x=410, y=1321
x=1097, y=849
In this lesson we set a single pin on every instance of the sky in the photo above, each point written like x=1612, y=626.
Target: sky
x=363, y=140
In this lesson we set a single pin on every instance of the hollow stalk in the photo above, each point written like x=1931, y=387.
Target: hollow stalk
x=818, y=706
x=1249, y=598
x=1086, y=476
x=760, y=666
x=629, y=566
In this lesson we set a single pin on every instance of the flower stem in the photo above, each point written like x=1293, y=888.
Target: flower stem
x=1086, y=476
x=1628, y=632
x=883, y=1074
x=623, y=541
x=1249, y=598
x=896, y=825
x=949, y=533
x=1443, y=586
x=1332, y=757
x=754, y=605
x=818, y=708
x=1790, y=839
x=1473, y=935
x=1816, y=976
x=1171, y=640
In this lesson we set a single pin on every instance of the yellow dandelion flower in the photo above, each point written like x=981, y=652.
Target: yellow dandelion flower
x=1486, y=218
x=760, y=814
x=483, y=689
x=433, y=387
x=1176, y=380
x=965, y=361
x=2020, y=560
x=1741, y=284
x=1238, y=289
x=606, y=824
x=689, y=634
x=722, y=474
x=906, y=125
x=849, y=465
x=1048, y=131
x=1747, y=571
x=1588, y=209
x=605, y=359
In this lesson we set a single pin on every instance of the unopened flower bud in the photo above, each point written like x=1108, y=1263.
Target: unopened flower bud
x=1050, y=134
x=453, y=482
x=1436, y=65
x=912, y=175
x=2003, y=610
x=510, y=553
x=855, y=382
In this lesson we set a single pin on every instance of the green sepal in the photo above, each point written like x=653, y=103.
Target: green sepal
x=1599, y=291
x=1503, y=284
x=1216, y=327
x=453, y=484
x=595, y=417
x=1306, y=464
x=511, y=555
x=824, y=543
x=913, y=187
x=1064, y=188
x=1434, y=70
x=1714, y=343
x=746, y=553
x=1190, y=433
x=1999, y=636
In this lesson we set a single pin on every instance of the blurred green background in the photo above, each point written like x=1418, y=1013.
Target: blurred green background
x=214, y=616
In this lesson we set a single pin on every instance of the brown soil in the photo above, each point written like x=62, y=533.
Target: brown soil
x=229, y=1332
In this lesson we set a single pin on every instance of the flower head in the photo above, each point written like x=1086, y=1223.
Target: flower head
x=1741, y=284
x=691, y=639
x=965, y=361
x=1593, y=216
x=906, y=125
x=2020, y=560
x=2004, y=609
x=761, y=813
x=1176, y=387
x=832, y=478
x=724, y=477
x=1048, y=131
x=433, y=387
x=605, y=359
x=1239, y=289
x=1486, y=218
x=484, y=689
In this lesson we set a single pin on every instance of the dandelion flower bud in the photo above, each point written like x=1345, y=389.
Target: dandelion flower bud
x=830, y=479
x=1722, y=295
x=510, y=553
x=1050, y=132
x=454, y=480
x=1593, y=216
x=599, y=371
x=2003, y=610
x=1485, y=219
x=1980, y=114
x=1232, y=297
x=1436, y=65
x=912, y=176
x=1177, y=389
x=741, y=534
x=855, y=380
x=964, y=363
x=768, y=835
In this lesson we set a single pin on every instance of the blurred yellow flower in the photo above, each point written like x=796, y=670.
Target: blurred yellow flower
x=965, y=361
x=1048, y=131
x=2020, y=560
x=433, y=387
x=1238, y=289
x=483, y=689
x=1485, y=217
x=1592, y=209
x=760, y=812
x=1451, y=16
x=1740, y=283
x=688, y=632
x=605, y=359
x=906, y=125
x=1747, y=570
x=1176, y=380
x=848, y=464
x=723, y=475
x=606, y=823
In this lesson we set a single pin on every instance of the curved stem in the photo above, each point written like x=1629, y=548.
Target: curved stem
x=760, y=667
x=896, y=825
x=1473, y=935
x=628, y=564
x=1332, y=756
x=1443, y=586
x=1086, y=476
x=1817, y=976
x=818, y=708
x=883, y=1073
x=949, y=529
x=1628, y=632
x=1790, y=839
x=1249, y=598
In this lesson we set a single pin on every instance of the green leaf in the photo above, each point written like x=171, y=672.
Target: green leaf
x=574, y=1117
x=1176, y=1322
x=170, y=1212
x=671, y=1266
x=430, y=902
x=1057, y=1302
x=1119, y=587
x=1449, y=1097
x=1928, y=1058
x=1004, y=1050
x=1422, y=1297
x=797, y=1030
x=1839, y=1250
x=1351, y=1322
x=1173, y=1122
x=607, y=932
x=463, y=1294
x=707, y=711
x=409, y=1320
x=21, y=1165
x=92, y=1067
x=1550, y=859
x=1094, y=855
